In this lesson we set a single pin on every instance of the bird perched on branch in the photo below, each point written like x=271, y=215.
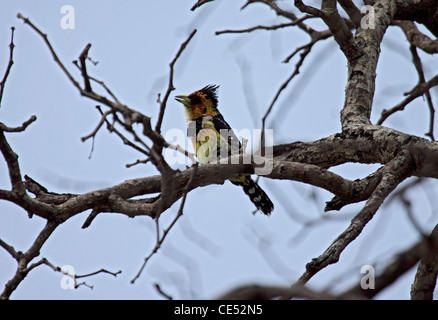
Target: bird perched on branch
x=213, y=139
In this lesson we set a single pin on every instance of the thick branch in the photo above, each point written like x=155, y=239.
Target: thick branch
x=257, y=292
x=337, y=25
x=424, y=11
x=360, y=87
x=13, y=167
x=427, y=271
x=352, y=11
x=417, y=38
x=364, y=144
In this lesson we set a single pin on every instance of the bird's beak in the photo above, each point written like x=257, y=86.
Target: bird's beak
x=183, y=99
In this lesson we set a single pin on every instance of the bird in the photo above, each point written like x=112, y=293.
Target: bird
x=208, y=131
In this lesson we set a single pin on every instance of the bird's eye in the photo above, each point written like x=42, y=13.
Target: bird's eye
x=194, y=100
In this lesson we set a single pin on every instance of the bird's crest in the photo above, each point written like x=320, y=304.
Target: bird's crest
x=211, y=92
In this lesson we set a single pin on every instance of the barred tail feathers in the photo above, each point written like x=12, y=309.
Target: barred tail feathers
x=255, y=193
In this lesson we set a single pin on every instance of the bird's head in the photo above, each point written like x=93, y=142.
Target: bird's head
x=200, y=103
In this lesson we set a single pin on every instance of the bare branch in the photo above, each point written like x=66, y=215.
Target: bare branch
x=99, y=125
x=417, y=38
x=422, y=79
x=284, y=13
x=337, y=25
x=306, y=50
x=160, y=291
x=260, y=27
x=199, y=3
x=394, y=174
x=26, y=257
x=308, y=9
x=13, y=167
x=352, y=11
x=21, y=128
x=52, y=51
x=258, y=292
x=424, y=283
x=359, y=91
x=427, y=270
x=75, y=62
x=170, y=87
x=138, y=161
x=10, y=249
x=417, y=91
x=10, y=63
x=315, y=38
x=74, y=277
x=82, y=60
x=161, y=239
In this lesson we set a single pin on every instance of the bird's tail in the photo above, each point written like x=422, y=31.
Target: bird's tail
x=255, y=194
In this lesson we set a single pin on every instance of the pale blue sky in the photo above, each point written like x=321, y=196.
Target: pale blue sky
x=218, y=244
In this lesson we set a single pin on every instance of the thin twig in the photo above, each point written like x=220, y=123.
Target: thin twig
x=125, y=140
x=99, y=125
x=10, y=249
x=284, y=13
x=422, y=79
x=160, y=291
x=23, y=259
x=161, y=239
x=21, y=128
x=138, y=161
x=82, y=59
x=100, y=82
x=74, y=277
x=296, y=71
x=260, y=27
x=199, y=3
x=417, y=91
x=170, y=86
x=52, y=51
x=10, y=63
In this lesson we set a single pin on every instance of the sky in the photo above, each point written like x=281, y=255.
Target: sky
x=218, y=243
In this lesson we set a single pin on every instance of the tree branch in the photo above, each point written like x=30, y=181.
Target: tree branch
x=170, y=87
x=360, y=87
x=199, y=3
x=352, y=11
x=427, y=271
x=424, y=283
x=337, y=25
x=417, y=38
x=394, y=174
x=420, y=89
x=10, y=63
x=24, y=259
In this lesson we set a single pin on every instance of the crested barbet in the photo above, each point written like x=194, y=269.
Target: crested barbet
x=208, y=129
